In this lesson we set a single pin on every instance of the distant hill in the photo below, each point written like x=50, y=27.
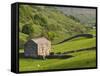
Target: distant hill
x=85, y=15
x=49, y=22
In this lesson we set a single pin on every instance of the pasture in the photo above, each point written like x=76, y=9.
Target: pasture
x=82, y=59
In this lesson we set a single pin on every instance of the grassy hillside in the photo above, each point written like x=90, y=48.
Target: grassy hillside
x=74, y=45
x=55, y=25
x=83, y=59
x=83, y=15
x=35, y=21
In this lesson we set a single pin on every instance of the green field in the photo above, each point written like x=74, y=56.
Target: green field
x=74, y=45
x=83, y=59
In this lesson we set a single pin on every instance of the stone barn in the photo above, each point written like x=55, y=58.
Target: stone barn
x=37, y=47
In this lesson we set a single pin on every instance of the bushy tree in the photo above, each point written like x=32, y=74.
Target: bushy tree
x=51, y=35
x=40, y=19
x=27, y=29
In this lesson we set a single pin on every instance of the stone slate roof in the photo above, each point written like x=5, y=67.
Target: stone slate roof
x=41, y=40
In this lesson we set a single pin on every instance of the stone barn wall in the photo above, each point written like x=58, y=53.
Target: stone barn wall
x=30, y=49
x=44, y=49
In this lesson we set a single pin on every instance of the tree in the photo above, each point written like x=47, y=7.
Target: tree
x=40, y=19
x=27, y=29
x=51, y=35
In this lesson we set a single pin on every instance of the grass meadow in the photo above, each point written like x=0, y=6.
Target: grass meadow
x=82, y=59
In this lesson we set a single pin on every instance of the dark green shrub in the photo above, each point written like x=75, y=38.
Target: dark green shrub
x=58, y=53
x=27, y=29
x=51, y=53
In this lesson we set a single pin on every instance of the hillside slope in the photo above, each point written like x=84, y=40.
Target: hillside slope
x=82, y=59
x=36, y=21
x=84, y=15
